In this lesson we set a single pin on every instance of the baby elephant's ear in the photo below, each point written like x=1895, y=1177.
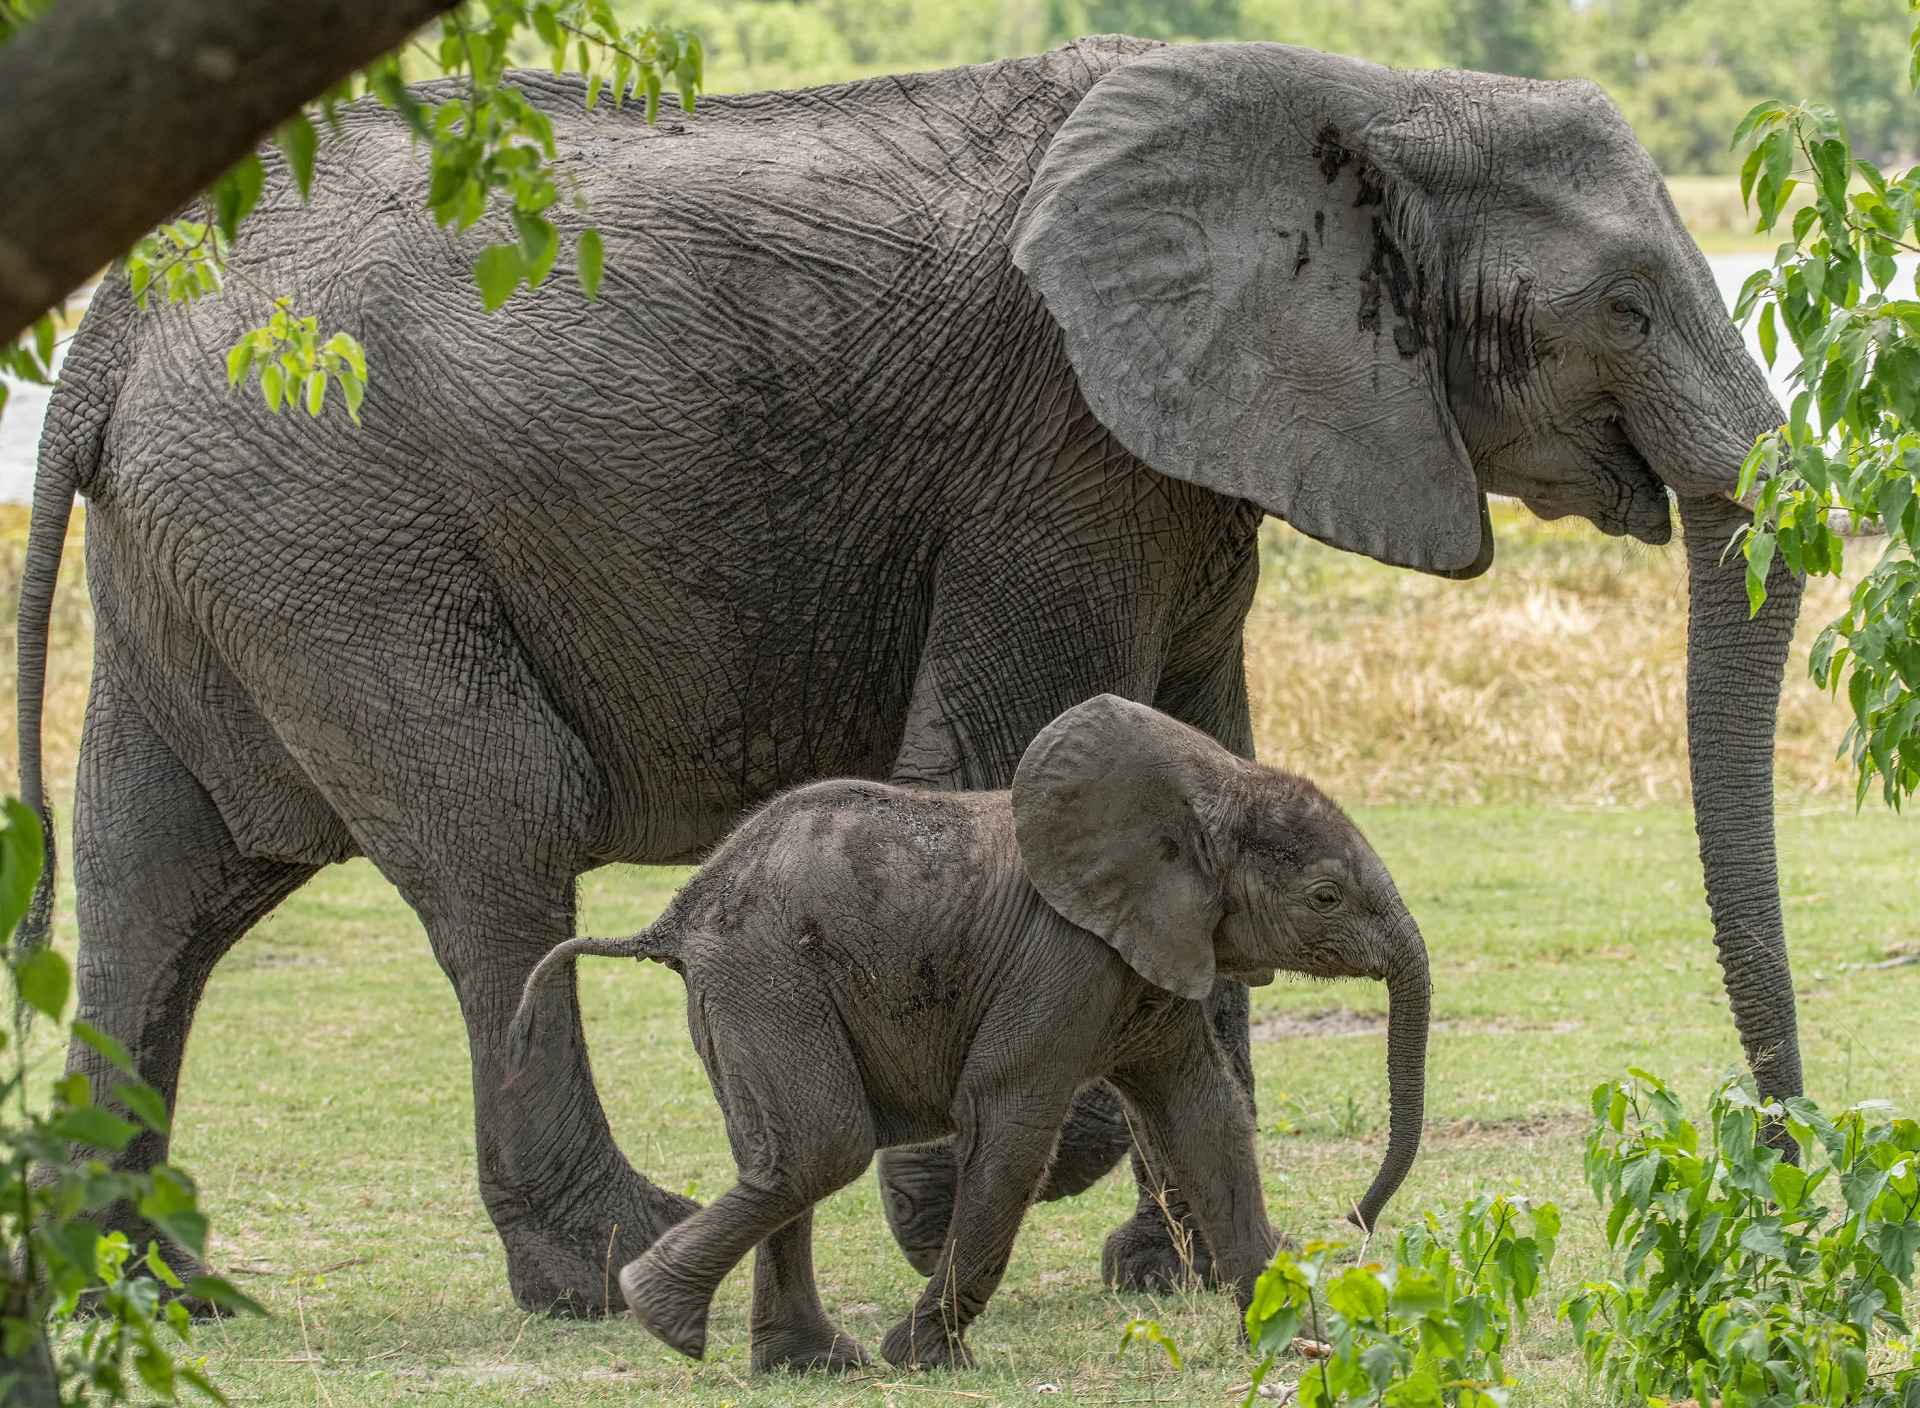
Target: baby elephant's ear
x=1118, y=812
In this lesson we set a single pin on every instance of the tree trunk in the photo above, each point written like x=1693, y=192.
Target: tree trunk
x=113, y=113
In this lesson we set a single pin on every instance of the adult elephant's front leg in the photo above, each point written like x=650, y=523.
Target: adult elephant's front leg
x=1015, y=639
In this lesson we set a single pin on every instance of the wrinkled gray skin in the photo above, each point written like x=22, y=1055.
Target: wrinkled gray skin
x=912, y=412
x=870, y=966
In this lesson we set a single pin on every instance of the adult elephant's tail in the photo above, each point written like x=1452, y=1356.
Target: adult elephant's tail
x=70, y=454
x=657, y=942
x=52, y=507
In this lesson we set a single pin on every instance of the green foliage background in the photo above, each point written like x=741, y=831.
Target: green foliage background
x=1684, y=71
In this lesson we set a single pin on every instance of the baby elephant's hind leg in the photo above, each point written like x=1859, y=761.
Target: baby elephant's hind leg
x=798, y=1122
x=790, y=1326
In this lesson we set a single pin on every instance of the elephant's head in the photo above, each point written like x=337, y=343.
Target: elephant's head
x=1364, y=299
x=1194, y=863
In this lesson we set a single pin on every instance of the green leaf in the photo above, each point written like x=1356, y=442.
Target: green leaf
x=589, y=258
x=1617, y=1219
x=146, y=1104
x=299, y=143
x=44, y=981
x=236, y=193
x=547, y=27
x=1749, y=169
x=1763, y=1238
x=1789, y=1185
x=1151, y=1331
x=1357, y=1294
x=217, y=1290
x=1834, y=163
x=162, y=1272
x=498, y=271
x=106, y=1046
x=1759, y=550
x=1755, y=114
x=155, y=1368
x=1769, y=335
x=97, y=1127
x=22, y=853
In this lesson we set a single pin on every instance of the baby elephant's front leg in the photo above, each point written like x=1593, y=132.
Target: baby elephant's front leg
x=1001, y=1152
x=1197, y=1117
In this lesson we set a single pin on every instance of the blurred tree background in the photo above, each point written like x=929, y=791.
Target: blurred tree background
x=1683, y=71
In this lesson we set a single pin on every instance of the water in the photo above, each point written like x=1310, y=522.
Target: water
x=27, y=406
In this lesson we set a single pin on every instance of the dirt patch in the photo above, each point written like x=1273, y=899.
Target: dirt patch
x=1336, y=1021
x=1508, y=1129
x=1344, y=1021
x=290, y=960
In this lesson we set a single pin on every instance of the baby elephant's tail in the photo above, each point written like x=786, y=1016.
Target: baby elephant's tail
x=645, y=944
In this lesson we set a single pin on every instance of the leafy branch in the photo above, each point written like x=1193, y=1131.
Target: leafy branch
x=1852, y=439
x=489, y=149
x=86, y=1305
x=1747, y=1279
x=1426, y=1328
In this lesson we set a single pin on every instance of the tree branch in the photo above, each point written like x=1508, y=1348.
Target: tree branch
x=114, y=113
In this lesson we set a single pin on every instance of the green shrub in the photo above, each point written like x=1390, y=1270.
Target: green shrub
x=1747, y=1279
x=79, y=1307
x=1429, y=1327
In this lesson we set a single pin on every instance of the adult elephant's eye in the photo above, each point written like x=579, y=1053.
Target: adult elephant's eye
x=1326, y=897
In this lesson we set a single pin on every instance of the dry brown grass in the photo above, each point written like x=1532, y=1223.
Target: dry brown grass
x=1559, y=675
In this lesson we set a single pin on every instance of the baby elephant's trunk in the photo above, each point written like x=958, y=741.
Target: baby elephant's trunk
x=1409, y=1001
x=645, y=944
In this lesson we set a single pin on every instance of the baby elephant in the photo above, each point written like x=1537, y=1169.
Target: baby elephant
x=871, y=966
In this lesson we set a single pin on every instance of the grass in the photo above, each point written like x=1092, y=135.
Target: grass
x=1558, y=676
x=1514, y=747
x=325, y=1108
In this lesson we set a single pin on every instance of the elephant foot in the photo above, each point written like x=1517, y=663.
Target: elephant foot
x=1143, y=1254
x=825, y=1348
x=1095, y=1138
x=925, y=1344
x=569, y=1270
x=916, y=1190
x=670, y=1313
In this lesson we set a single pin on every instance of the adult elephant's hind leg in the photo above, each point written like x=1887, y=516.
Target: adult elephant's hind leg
x=495, y=897
x=161, y=893
x=473, y=796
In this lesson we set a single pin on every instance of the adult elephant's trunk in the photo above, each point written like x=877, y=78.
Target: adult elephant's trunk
x=1409, y=1001
x=1734, y=668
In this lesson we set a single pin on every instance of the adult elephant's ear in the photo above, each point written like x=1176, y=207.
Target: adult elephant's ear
x=1122, y=818
x=1224, y=235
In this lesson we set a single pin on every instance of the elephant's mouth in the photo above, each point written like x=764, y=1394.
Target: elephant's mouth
x=1616, y=489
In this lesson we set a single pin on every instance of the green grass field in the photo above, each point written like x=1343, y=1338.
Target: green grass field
x=326, y=1110
x=1520, y=740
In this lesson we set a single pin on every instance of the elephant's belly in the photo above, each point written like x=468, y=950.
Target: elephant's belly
x=701, y=690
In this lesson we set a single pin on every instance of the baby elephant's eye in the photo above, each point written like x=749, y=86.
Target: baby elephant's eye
x=1325, y=896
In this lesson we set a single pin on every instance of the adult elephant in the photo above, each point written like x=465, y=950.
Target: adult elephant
x=912, y=411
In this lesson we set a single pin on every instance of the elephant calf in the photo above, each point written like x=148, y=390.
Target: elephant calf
x=871, y=966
